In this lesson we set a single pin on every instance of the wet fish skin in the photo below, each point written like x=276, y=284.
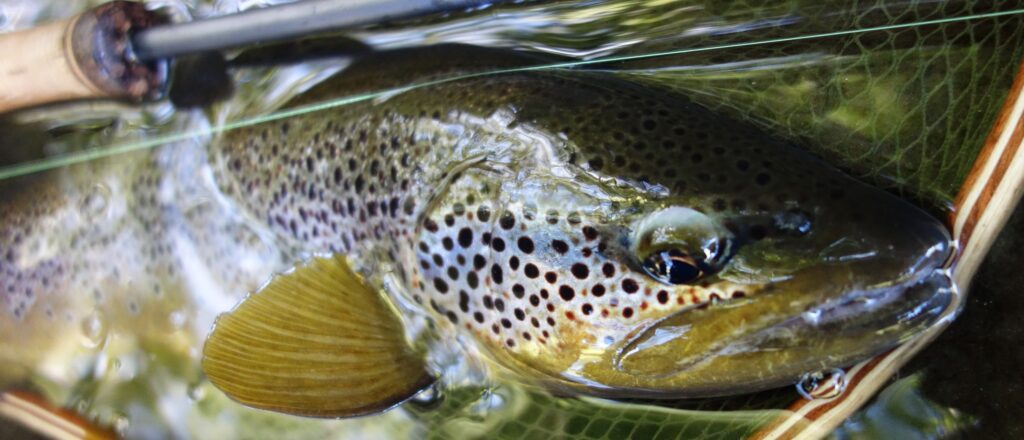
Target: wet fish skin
x=521, y=208
x=499, y=204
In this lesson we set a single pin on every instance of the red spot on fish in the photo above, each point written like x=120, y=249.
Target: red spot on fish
x=570, y=315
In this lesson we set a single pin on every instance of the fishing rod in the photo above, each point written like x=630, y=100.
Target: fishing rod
x=121, y=50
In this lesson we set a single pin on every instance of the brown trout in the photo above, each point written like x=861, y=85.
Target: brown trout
x=585, y=232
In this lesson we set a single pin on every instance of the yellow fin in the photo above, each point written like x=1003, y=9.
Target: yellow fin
x=315, y=342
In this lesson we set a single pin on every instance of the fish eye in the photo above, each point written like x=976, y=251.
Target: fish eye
x=679, y=245
x=673, y=266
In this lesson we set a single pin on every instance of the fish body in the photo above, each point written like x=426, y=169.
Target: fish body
x=588, y=232
x=567, y=219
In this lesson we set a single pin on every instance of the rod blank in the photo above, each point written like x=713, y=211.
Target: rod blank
x=280, y=22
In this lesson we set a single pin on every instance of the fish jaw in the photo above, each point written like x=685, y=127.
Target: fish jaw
x=771, y=339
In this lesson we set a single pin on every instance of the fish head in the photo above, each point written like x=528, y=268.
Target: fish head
x=723, y=286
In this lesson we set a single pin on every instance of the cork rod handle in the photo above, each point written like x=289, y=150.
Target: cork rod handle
x=83, y=57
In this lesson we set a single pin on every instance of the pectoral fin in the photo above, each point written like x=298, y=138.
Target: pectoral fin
x=315, y=342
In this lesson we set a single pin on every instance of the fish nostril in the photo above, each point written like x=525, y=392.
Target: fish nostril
x=795, y=222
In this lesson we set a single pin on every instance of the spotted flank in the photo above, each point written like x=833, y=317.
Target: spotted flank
x=588, y=233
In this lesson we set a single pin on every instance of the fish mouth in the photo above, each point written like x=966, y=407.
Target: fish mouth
x=794, y=327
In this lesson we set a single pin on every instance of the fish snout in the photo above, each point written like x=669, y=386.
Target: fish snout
x=884, y=240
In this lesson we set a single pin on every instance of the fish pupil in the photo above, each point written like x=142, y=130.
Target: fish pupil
x=673, y=267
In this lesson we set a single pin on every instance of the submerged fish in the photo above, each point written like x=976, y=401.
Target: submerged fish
x=586, y=232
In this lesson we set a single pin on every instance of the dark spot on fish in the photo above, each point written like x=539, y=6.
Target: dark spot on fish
x=758, y=232
x=507, y=221
x=531, y=271
x=525, y=244
x=430, y=224
x=597, y=290
x=559, y=246
x=496, y=273
x=566, y=292
x=630, y=286
x=483, y=213
x=608, y=269
x=662, y=296
x=580, y=270
x=465, y=237
x=440, y=285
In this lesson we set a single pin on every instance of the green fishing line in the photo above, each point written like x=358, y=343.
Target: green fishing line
x=102, y=152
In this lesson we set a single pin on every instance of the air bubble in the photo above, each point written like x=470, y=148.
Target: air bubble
x=177, y=319
x=94, y=330
x=196, y=392
x=121, y=425
x=95, y=203
x=429, y=398
x=822, y=385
